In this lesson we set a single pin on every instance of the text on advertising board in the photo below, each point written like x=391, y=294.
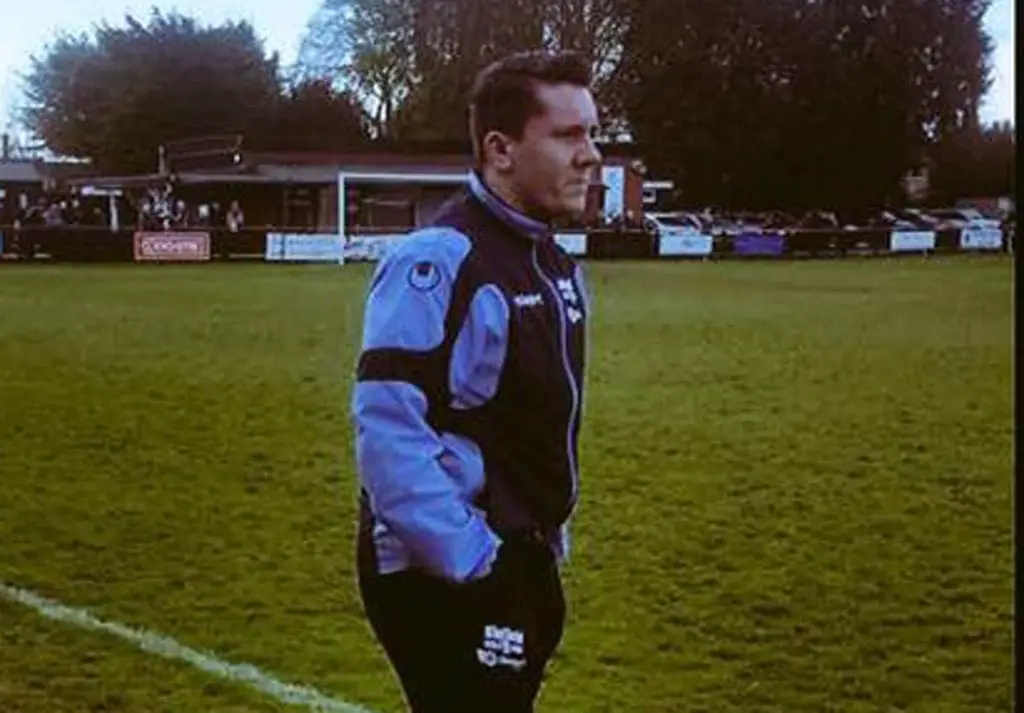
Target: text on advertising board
x=981, y=239
x=304, y=247
x=172, y=246
x=912, y=241
x=692, y=244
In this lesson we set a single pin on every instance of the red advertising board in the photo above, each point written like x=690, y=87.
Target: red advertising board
x=177, y=247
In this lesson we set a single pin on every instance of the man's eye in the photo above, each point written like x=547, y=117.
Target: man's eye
x=577, y=132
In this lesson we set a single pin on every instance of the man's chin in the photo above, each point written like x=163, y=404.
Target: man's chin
x=562, y=211
x=574, y=210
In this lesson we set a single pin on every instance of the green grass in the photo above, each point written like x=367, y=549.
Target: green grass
x=796, y=487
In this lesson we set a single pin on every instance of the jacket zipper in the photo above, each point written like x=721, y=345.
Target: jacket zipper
x=573, y=389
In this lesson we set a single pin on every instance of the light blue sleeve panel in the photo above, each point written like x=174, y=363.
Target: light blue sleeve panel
x=398, y=454
x=398, y=457
x=478, y=355
x=411, y=291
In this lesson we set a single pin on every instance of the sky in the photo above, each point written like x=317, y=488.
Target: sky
x=30, y=24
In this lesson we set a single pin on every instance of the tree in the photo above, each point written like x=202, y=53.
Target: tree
x=116, y=96
x=366, y=47
x=975, y=163
x=413, y=62
x=314, y=116
x=706, y=89
x=799, y=103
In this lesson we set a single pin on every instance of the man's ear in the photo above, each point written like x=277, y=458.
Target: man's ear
x=497, y=149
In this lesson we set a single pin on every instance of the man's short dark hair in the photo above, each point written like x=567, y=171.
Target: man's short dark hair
x=504, y=95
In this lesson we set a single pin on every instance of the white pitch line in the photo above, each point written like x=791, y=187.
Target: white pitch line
x=171, y=649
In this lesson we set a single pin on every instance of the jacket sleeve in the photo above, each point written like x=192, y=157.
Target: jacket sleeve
x=397, y=452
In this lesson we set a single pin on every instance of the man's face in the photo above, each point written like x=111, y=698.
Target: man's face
x=553, y=163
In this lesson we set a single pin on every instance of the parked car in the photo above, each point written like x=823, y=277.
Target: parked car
x=819, y=220
x=893, y=220
x=916, y=218
x=959, y=218
x=662, y=224
x=778, y=221
x=733, y=224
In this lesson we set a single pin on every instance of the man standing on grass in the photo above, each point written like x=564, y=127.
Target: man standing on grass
x=468, y=400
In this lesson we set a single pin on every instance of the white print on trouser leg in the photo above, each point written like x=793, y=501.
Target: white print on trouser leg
x=500, y=645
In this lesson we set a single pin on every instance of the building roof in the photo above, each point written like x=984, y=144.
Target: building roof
x=266, y=167
x=284, y=173
x=20, y=171
x=378, y=160
x=381, y=160
x=38, y=171
x=134, y=180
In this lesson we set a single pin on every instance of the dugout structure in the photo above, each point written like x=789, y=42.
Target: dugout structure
x=381, y=205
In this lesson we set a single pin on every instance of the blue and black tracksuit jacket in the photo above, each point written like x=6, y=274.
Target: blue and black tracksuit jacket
x=469, y=391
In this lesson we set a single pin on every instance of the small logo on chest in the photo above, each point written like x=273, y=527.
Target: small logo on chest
x=568, y=290
x=572, y=300
x=534, y=299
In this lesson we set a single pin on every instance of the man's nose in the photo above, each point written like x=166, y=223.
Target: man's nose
x=590, y=156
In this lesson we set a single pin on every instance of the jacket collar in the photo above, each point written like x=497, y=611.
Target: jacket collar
x=515, y=219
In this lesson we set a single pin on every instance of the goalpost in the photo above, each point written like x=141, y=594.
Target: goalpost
x=373, y=246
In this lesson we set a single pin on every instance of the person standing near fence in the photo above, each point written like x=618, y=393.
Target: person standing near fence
x=468, y=400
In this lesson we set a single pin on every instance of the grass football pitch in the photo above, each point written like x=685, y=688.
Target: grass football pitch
x=796, y=488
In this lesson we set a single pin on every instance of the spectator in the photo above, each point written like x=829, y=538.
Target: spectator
x=179, y=217
x=75, y=214
x=27, y=217
x=235, y=217
x=203, y=215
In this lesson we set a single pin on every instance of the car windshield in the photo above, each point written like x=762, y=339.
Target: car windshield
x=674, y=221
x=922, y=217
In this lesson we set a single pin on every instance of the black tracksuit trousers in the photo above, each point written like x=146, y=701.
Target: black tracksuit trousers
x=480, y=647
